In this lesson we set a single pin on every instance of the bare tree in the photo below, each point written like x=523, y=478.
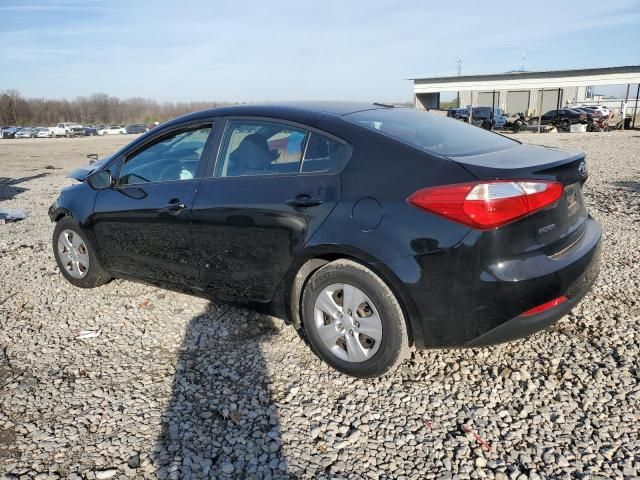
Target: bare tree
x=98, y=108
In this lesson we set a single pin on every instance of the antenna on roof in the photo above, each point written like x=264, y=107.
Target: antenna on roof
x=459, y=63
x=386, y=105
x=524, y=58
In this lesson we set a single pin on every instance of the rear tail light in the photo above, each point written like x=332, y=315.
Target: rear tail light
x=544, y=307
x=489, y=204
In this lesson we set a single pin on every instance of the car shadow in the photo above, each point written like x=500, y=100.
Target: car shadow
x=630, y=185
x=221, y=421
x=9, y=188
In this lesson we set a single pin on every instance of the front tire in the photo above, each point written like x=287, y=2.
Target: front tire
x=353, y=320
x=76, y=256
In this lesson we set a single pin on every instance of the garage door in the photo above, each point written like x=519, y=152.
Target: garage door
x=550, y=100
x=485, y=99
x=426, y=101
x=518, y=101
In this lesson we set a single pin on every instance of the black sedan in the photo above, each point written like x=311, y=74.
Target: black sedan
x=370, y=228
x=563, y=117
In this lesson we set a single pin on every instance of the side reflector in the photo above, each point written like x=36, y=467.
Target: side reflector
x=545, y=306
x=491, y=204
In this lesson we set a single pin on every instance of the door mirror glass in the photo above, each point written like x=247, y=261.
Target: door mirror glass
x=100, y=180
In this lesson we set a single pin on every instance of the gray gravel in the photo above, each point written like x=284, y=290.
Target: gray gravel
x=177, y=387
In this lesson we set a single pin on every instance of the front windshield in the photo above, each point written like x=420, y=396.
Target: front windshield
x=431, y=132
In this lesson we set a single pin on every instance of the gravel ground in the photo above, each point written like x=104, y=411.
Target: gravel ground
x=178, y=387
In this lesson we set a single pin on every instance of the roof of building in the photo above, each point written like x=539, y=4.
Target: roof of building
x=531, y=75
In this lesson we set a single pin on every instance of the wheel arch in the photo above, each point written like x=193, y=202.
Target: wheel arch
x=290, y=291
x=59, y=213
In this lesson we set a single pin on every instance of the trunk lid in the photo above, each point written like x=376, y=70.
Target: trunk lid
x=557, y=227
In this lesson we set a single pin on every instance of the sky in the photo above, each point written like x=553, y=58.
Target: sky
x=184, y=50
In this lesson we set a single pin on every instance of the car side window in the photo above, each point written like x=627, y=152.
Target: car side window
x=252, y=147
x=323, y=154
x=174, y=157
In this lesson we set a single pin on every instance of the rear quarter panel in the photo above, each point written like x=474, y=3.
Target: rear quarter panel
x=388, y=172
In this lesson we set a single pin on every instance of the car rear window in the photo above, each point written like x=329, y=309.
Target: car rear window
x=431, y=132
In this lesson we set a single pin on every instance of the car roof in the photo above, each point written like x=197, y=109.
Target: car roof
x=286, y=109
x=330, y=107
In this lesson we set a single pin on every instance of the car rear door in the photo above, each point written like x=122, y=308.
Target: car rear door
x=142, y=224
x=272, y=186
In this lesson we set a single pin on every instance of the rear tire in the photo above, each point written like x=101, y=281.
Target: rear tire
x=353, y=320
x=76, y=256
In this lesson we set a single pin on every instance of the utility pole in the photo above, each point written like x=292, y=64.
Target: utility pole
x=624, y=105
x=635, y=109
x=459, y=66
x=540, y=108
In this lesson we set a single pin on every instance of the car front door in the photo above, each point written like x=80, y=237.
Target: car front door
x=272, y=186
x=142, y=224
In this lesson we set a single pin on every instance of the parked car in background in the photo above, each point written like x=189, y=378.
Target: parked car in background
x=458, y=114
x=137, y=128
x=561, y=118
x=90, y=131
x=26, y=132
x=68, y=130
x=112, y=130
x=8, y=132
x=468, y=238
x=604, y=111
x=484, y=115
x=589, y=112
x=44, y=132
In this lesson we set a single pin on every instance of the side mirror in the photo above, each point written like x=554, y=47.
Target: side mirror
x=93, y=157
x=100, y=180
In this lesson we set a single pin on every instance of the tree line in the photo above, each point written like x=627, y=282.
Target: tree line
x=99, y=108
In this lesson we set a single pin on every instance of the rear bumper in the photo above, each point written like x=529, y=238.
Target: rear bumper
x=521, y=326
x=468, y=297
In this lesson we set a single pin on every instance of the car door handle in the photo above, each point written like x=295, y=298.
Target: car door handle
x=175, y=206
x=303, y=200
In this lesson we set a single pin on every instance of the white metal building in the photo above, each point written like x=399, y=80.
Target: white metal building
x=528, y=92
